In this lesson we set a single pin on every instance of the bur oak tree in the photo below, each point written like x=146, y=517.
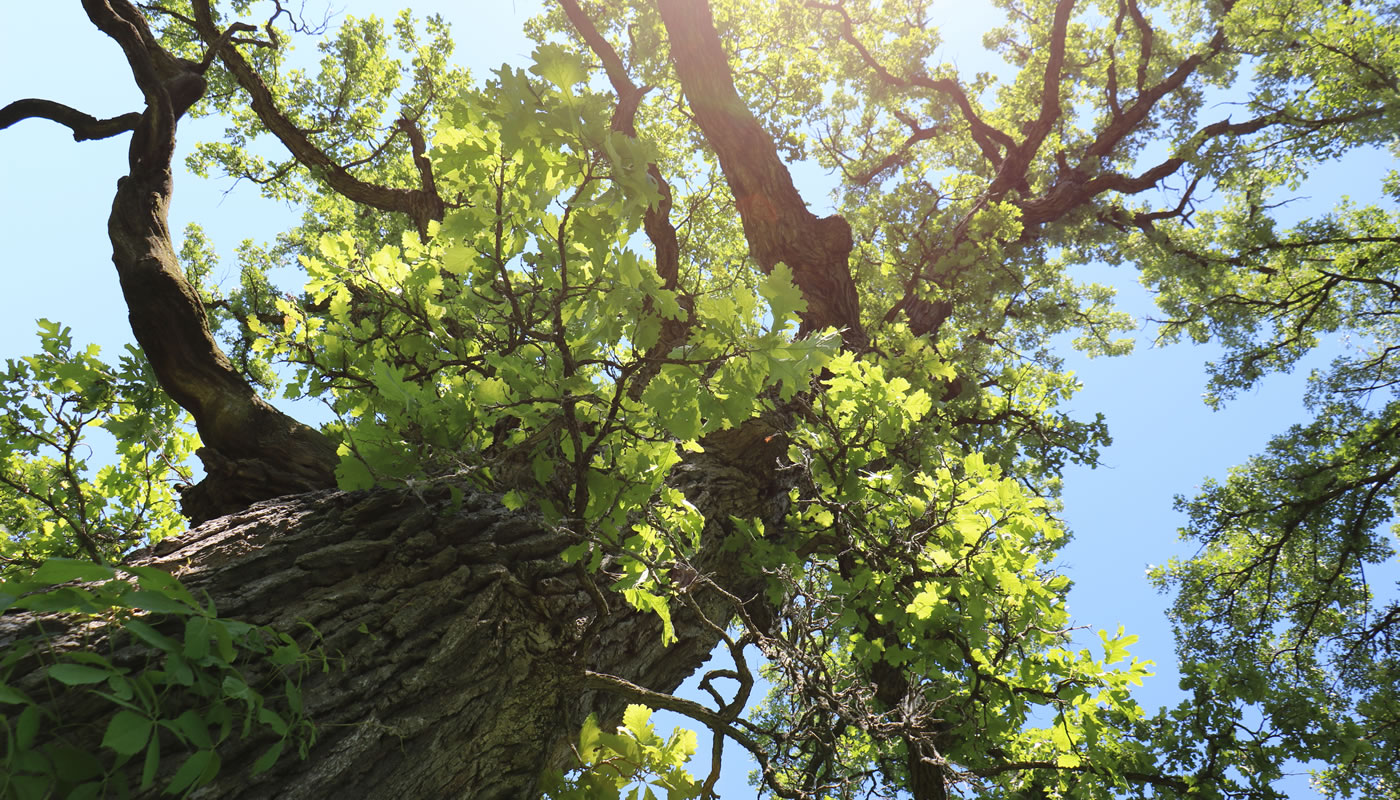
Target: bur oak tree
x=603, y=395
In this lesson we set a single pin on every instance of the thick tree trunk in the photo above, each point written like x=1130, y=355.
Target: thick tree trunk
x=458, y=686
x=459, y=640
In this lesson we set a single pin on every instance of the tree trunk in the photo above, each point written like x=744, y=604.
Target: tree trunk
x=458, y=638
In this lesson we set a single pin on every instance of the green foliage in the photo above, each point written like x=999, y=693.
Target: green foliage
x=1276, y=615
x=533, y=343
x=53, y=501
x=254, y=298
x=938, y=573
x=507, y=350
x=1271, y=297
x=369, y=74
x=635, y=759
x=204, y=679
x=1277, y=618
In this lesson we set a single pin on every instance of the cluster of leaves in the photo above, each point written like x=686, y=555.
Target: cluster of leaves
x=229, y=310
x=53, y=502
x=634, y=757
x=224, y=678
x=891, y=568
x=1277, y=614
x=515, y=348
x=508, y=349
x=373, y=85
x=1289, y=537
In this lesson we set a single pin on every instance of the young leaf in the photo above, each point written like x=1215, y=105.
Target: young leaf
x=79, y=674
x=127, y=732
x=63, y=570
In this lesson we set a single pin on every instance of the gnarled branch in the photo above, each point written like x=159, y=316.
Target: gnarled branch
x=85, y=127
x=422, y=205
x=252, y=451
x=777, y=224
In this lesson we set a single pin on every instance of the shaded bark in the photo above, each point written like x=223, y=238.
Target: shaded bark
x=474, y=629
x=251, y=450
x=476, y=636
x=462, y=644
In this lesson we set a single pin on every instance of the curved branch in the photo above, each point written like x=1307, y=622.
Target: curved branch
x=419, y=147
x=421, y=205
x=1050, y=107
x=1145, y=50
x=777, y=224
x=900, y=156
x=121, y=21
x=84, y=126
x=657, y=220
x=252, y=451
x=612, y=63
x=1134, y=114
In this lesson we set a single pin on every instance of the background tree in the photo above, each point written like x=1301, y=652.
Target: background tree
x=840, y=435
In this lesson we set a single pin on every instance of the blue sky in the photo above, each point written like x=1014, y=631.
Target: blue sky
x=57, y=265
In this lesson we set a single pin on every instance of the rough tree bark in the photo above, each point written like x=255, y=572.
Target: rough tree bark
x=461, y=641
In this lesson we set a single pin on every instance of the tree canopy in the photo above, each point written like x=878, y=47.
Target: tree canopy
x=601, y=394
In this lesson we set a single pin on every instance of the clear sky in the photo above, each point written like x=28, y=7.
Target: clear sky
x=56, y=262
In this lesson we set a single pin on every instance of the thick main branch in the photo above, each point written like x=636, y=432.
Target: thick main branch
x=252, y=451
x=777, y=224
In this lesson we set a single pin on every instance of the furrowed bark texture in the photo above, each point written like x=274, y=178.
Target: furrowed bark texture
x=475, y=634
x=459, y=639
